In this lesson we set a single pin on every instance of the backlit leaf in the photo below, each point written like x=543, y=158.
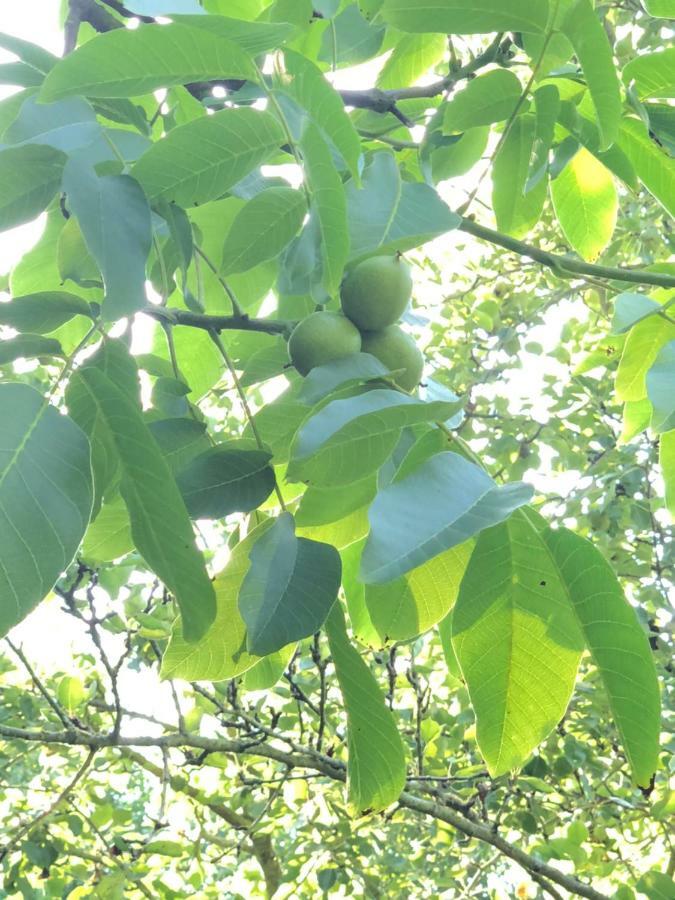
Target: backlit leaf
x=29, y=179
x=439, y=505
x=45, y=498
x=376, y=766
x=289, y=588
x=465, y=16
x=159, y=521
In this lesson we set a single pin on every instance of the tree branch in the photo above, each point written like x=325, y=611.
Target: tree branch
x=566, y=266
x=261, y=845
x=319, y=763
x=85, y=11
x=217, y=323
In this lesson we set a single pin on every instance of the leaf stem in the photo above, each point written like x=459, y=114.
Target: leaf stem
x=215, y=337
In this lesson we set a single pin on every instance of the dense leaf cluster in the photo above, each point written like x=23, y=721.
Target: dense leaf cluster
x=338, y=580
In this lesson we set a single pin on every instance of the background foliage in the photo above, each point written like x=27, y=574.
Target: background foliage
x=477, y=712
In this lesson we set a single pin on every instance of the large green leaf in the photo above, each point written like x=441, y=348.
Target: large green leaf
x=517, y=642
x=222, y=652
x=109, y=536
x=415, y=602
x=159, y=520
x=262, y=228
x=328, y=196
x=29, y=179
x=412, y=57
x=128, y=62
x=653, y=74
x=660, y=381
x=225, y=479
x=489, y=98
x=376, y=766
x=42, y=312
x=387, y=215
x=589, y=39
x=586, y=204
x=66, y=125
x=289, y=588
x=114, y=217
x=618, y=645
x=654, y=167
x=28, y=346
x=467, y=16
x=349, y=438
x=314, y=93
x=642, y=346
x=437, y=506
x=339, y=373
x=201, y=160
x=516, y=212
x=580, y=121
x=253, y=37
x=661, y=8
x=45, y=498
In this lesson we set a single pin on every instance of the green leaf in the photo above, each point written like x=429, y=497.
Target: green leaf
x=667, y=464
x=262, y=228
x=28, y=346
x=388, y=216
x=591, y=45
x=376, y=765
x=180, y=440
x=201, y=160
x=642, y=346
x=316, y=95
x=491, y=97
x=265, y=673
x=329, y=201
x=253, y=37
x=517, y=642
x=654, y=168
x=29, y=179
x=349, y=438
x=660, y=8
x=159, y=520
x=414, y=603
x=109, y=535
x=660, y=381
x=618, y=645
x=653, y=74
x=289, y=588
x=439, y=505
x=221, y=653
x=458, y=154
x=339, y=373
x=128, y=62
x=351, y=39
x=656, y=885
x=581, y=123
x=114, y=217
x=321, y=506
x=547, y=106
x=37, y=57
x=225, y=479
x=411, y=58
x=67, y=125
x=586, y=204
x=45, y=498
x=515, y=211
x=637, y=415
x=465, y=16
x=42, y=312
x=629, y=309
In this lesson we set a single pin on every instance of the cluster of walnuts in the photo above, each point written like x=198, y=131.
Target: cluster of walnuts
x=374, y=295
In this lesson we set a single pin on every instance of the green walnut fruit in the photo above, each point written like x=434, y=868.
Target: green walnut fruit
x=376, y=292
x=321, y=337
x=396, y=350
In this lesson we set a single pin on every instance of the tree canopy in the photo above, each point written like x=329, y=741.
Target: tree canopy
x=308, y=587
